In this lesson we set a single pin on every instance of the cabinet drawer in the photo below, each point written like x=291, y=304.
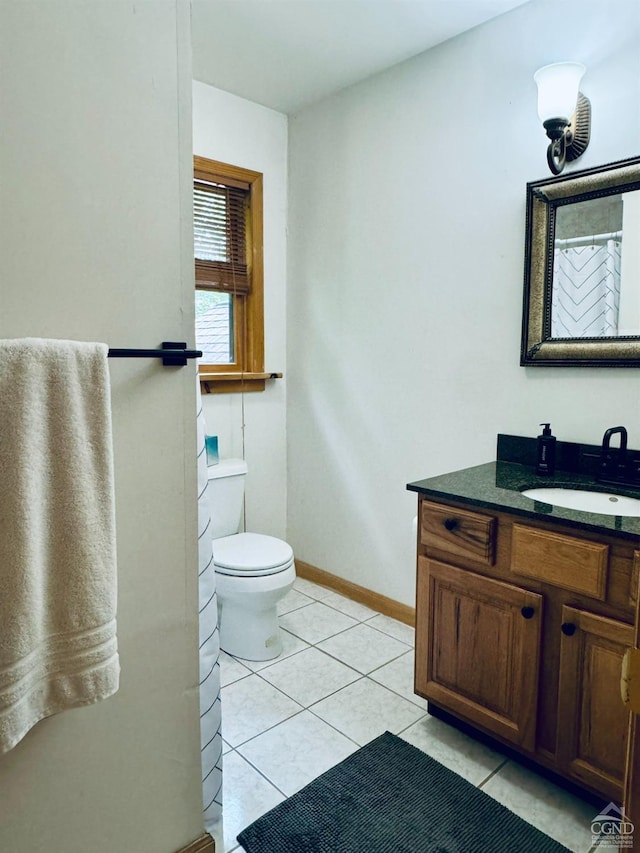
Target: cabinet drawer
x=458, y=532
x=564, y=561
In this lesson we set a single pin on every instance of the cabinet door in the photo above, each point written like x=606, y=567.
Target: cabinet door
x=592, y=719
x=477, y=649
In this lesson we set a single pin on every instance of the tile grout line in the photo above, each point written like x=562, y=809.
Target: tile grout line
x=280, y=660
x=331, y=726
x=493, y=773
x=361, y=675
x=260, y=772
x=269, y=728
x=309, y=708
x=316, y=643
x=374, y=614
x=322, y=639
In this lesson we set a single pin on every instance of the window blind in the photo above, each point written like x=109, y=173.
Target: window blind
x=220, y=238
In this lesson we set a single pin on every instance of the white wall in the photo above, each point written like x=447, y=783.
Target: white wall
x=96, y=244
x=406, y=234
x=242, y=133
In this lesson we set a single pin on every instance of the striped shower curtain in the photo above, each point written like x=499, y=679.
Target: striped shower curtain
x=585, y=300
x=210, y=718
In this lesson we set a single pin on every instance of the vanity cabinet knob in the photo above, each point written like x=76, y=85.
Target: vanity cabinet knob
x=568, y=628
x=528, y=612
x=451, y=523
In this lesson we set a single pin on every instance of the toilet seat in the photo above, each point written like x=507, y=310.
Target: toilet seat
x=251, y=555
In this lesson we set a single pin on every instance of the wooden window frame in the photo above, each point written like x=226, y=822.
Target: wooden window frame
x=247, y=372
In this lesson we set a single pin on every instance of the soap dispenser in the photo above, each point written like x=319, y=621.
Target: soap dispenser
x=546, y=461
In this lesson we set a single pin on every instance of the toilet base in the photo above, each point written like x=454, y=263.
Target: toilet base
x=258, y=639
x=248, y=615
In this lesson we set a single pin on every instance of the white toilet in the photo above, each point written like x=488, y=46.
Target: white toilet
x=253, y=571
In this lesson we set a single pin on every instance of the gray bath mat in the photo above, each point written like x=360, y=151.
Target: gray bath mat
x=389, y=797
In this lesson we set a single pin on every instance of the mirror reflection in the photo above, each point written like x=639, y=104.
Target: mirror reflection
x=589, y=266
x=581, y=304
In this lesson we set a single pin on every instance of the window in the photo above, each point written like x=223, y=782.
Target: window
x=227, y=213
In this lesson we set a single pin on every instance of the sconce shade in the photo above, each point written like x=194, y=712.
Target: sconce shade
x=558, y=86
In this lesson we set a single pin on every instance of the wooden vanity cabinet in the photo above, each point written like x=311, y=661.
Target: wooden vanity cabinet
x=482, y=653
x=520, y=631
x=593, y=721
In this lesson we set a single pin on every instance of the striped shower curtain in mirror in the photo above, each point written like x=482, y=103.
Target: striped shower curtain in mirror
x=585, y=301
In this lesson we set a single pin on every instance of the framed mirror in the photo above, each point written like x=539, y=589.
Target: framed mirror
x=582, y=269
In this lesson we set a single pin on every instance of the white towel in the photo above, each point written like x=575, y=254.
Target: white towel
x=58, y=645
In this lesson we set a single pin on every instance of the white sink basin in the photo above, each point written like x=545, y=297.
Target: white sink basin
x=603, y=502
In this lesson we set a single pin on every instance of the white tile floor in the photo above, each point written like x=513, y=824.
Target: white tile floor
x=345, y=676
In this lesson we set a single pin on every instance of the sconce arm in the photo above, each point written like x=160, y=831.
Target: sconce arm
x=568, y=140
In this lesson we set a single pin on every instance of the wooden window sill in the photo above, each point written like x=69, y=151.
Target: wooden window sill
x=234, y=383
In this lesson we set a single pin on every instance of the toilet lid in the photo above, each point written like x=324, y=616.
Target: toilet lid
x=251, y=554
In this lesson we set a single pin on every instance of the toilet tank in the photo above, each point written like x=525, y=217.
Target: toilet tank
x=226, y=495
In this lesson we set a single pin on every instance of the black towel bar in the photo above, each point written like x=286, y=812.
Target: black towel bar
x=172, y=354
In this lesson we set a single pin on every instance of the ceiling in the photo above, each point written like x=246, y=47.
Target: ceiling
x=286, y=54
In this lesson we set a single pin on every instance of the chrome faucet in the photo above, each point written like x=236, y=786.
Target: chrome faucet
x=613, y=461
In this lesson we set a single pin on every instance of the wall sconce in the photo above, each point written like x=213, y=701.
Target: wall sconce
x=564, y=111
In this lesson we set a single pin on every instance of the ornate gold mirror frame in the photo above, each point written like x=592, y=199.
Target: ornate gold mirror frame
x=544, y=199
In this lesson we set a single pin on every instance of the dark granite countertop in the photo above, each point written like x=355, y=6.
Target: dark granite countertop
x=497, y=486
